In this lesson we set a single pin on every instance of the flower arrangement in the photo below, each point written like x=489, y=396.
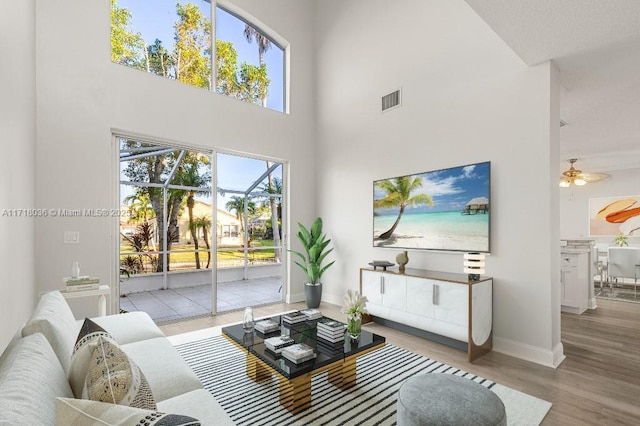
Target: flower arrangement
x=355, y=306
x=621, y=240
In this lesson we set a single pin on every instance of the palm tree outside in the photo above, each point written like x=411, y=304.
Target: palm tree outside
x=236, y=204
x=204, y=223
x=398, y=194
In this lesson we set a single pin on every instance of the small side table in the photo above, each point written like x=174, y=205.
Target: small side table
x=101, y=291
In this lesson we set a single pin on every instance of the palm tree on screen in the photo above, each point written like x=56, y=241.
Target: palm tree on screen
x=398, y=194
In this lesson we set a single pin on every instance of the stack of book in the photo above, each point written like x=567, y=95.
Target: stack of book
x=294, y=318
x=312, y=314
x=277, y=344
x=298, y=353
x=82, y=283
x=267, y=326
x=330, y=330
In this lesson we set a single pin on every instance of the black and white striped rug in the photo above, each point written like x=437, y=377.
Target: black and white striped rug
x=221, y=368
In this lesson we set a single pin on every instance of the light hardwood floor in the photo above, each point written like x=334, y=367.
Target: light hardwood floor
x=597, y=384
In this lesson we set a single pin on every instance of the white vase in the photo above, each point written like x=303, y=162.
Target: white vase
x=75, y=269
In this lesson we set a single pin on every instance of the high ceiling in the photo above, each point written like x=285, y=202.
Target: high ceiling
x=596, y=46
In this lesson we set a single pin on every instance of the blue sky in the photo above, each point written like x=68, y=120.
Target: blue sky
x=155, y=19
x=451, y=189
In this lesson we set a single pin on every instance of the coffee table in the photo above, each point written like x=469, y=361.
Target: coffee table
x=295, y=379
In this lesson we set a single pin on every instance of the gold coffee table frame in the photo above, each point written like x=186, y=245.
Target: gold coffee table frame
x=295, y=393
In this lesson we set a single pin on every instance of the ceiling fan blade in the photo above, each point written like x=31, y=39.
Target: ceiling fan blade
x=594, y=177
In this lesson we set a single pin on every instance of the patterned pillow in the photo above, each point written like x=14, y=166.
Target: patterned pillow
x=84, y=412
x=81, y=355
x=113, y=377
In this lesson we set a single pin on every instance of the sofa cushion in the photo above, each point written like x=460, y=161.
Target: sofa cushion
x=113, y=377
x=79, y=364
x=129, y=327
x=31, y=378
x=200, y=404
x=82, y=412
x=168, y=374
x=53, y=318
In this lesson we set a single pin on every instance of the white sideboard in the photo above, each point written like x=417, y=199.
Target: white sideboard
x=440, y=306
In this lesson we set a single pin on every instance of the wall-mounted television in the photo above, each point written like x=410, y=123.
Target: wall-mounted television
x=446, y=209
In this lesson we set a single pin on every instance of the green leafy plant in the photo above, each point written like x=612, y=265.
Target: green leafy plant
x=620, y=240
x=315, y=245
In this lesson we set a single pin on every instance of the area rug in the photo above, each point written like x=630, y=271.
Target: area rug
x=221, y=367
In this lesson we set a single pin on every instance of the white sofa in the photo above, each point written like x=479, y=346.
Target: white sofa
x=35, y=371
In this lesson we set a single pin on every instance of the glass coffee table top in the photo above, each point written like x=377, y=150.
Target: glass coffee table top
x=305, y=332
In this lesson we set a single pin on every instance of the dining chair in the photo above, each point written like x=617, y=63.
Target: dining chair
x=624, y=262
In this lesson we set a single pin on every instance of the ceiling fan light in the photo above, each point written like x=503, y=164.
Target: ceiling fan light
x=564, y=183
x=580, y=182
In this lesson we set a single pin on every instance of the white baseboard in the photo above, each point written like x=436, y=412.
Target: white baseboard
x=549, y=358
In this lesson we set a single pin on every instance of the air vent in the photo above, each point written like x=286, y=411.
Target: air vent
x=392, y=100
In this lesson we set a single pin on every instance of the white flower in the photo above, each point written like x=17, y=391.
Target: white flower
x=355, y=304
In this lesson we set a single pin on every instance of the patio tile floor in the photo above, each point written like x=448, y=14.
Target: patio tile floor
x=188, y=302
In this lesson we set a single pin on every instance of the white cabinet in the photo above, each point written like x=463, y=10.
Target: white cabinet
x=452, y=303
x=441, y=306
x=385, y=290
x=574, y=281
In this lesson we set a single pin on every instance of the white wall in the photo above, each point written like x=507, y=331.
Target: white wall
x=466, y=98
x=574, y=203
x=17, y=173
x=82, y=96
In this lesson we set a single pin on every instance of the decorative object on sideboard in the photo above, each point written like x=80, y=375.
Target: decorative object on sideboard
x=402, y=258
x=315, y=245
x=474, y=265
x=381, y=263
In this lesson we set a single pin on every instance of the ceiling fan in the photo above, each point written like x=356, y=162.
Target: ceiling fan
x=577, y=177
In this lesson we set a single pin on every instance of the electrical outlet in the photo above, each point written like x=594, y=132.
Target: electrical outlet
x=71, y=237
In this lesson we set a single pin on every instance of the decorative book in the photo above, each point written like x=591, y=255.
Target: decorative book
x=83, y=280
x=294, y=317
x=82, y=287
x=298, y=353
x=267, y=326
x=312, y=314
x=332, y=339
x=277, y=344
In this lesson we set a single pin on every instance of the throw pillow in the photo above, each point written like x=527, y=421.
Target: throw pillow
x=80, y=358
x=113, y=377
x=81, y=412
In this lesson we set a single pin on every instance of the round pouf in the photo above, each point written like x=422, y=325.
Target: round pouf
x=445, y=399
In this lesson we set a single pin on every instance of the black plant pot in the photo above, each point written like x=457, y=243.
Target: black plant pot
x=313, y=294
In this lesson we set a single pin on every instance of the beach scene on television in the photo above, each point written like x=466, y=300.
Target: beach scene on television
x=445, y=209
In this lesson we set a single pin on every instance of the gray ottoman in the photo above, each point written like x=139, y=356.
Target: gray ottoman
x=445, y=399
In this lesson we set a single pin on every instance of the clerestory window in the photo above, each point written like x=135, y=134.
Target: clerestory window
x=175, y=40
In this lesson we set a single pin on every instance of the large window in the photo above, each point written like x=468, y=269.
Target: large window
x=175, y=41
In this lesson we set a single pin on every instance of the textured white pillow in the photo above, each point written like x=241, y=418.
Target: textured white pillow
x=53, y=318
x=82, y=412
x=113, y=377
x=79, y=364
x=31, y=377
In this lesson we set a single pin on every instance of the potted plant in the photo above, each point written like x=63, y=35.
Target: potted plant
x=620, y=240
x=316, y=249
